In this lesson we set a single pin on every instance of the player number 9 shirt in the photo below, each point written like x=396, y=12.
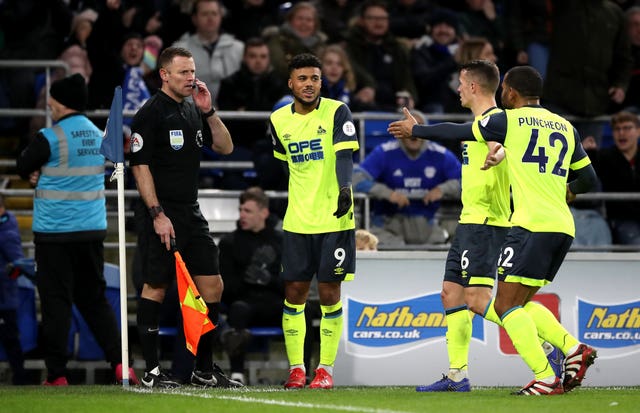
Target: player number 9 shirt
x=308, y=143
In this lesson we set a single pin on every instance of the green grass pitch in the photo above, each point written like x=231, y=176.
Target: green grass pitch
x=267, y=399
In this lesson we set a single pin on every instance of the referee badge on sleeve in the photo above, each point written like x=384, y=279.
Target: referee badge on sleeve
x=349, y=128
x=136, y=142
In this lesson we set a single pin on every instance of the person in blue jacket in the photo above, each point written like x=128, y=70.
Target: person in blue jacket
x=10, y=250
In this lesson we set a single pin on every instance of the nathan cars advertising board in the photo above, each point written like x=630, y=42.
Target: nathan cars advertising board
x=394, y=327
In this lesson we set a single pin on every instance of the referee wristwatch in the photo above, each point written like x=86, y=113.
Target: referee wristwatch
x=154, y=211
x=210, y=113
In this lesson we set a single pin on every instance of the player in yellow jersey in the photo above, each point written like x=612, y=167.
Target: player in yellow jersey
x=316, y=138
x=483, y=224
x=541, y=147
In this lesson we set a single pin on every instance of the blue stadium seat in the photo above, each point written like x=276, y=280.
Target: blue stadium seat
x=375, y=133
x=88, y=348
x=261, y=337
x=27, y=317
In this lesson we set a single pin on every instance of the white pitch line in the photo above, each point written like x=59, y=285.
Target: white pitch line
x=247, y=399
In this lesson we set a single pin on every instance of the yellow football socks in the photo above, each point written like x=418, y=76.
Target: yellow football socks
x=458, y=337
x=550, y=328
x=524, y=335
x=330, y=332
x=295, y=328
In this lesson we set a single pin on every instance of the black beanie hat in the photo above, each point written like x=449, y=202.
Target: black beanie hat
x=71, y=92
x=445, y=16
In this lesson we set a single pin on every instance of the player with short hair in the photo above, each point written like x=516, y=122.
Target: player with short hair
x=316, y=138
x=168, y=134
x=541, y=147
x=483, y=224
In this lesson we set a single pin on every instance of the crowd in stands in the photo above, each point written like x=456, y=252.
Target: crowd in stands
x=377, y=55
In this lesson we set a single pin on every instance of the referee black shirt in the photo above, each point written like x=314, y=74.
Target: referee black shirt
x=169, y=136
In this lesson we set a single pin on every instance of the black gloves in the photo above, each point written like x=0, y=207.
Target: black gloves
x=344, y=202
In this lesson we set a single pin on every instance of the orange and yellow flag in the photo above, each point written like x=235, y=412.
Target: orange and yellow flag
x=194, y=309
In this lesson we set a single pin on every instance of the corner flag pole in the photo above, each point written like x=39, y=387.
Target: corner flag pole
x=122, y=262
x=113, y=149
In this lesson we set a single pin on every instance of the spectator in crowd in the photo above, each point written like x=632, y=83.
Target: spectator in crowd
x=69, y=227
x=632, y=97
x=475, y=48
x=380, y=61
x=335, y=17
x=300, y=33
x=408, y=18
x=31, y=30
x=434, y=67
x=75, y=55
x=408, y=178
x=217, y=54
x=625, y=4
x=366, y=241
x=528, y=28
x=116, y=55
x=247, y=19
x=75, y=51
x=178, y=12
x=250, y=268
x=588, y=70
x=144, y=17
x=617, y=168
x=255, y=87
x=338, y=78
x=480, y=19
x=10, y=250
x=591, y=227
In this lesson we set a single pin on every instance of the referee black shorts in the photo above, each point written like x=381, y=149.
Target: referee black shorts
x=194, y=242
x=329, y=256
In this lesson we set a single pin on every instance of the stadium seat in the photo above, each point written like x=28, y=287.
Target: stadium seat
x=27, y=317
x=375, y=133
x=221, y=213
x=88, y=348
x=261, y=337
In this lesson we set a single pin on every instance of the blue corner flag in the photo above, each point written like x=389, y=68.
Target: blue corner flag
x=112, y=147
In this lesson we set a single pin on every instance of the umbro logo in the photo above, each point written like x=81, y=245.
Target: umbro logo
x=397, y=172
x=321, y=130
x=286, y=137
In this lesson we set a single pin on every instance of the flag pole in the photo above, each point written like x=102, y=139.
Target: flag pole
x=112, y=149
x=124, y=317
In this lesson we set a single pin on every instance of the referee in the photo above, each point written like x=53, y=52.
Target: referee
x=168, y=134
x=316, y=138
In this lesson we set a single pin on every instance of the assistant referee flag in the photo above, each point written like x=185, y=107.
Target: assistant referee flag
x=194, y=309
